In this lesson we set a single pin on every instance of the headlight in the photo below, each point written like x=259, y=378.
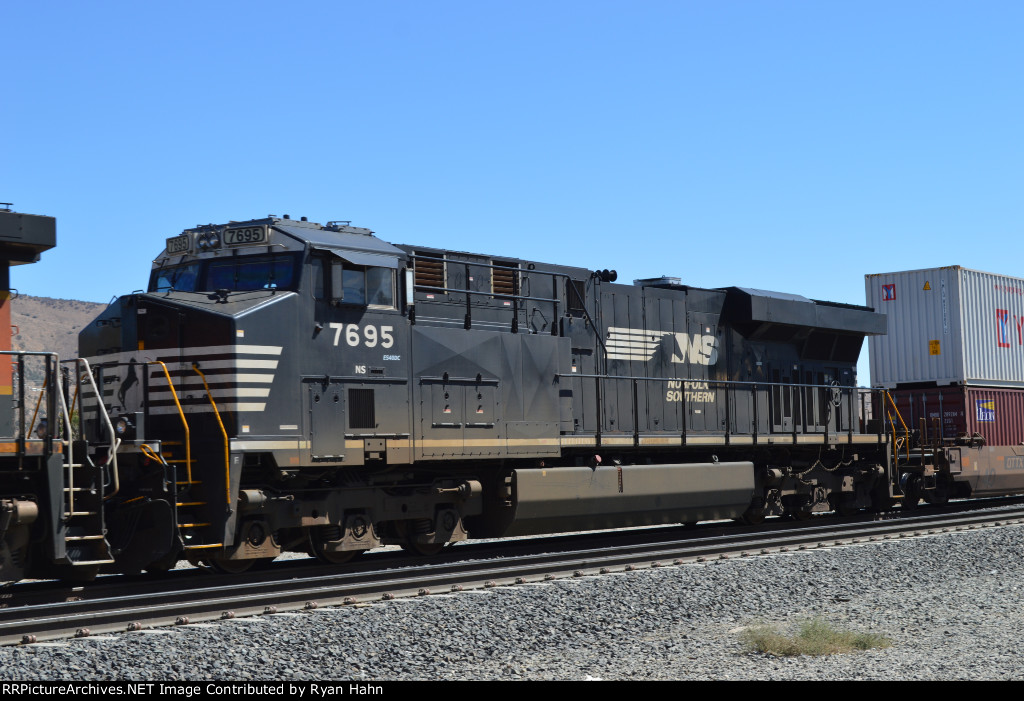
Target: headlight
x=209, y=241
x=124, y=429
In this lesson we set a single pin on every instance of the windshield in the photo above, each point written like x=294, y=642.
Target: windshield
x=181, y=278
x=237, y=273
x=251, y=273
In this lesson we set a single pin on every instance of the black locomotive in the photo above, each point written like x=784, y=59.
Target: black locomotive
x=287, y=386
x=284, y=385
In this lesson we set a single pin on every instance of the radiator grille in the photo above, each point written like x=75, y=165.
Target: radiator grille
x=429, y=273
x=361, y=413
x=503, y=282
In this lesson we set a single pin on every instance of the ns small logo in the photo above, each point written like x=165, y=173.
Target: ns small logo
x=360, y=370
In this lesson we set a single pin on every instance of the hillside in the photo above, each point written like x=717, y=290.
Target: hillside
x=42, y=323
x=45, y=324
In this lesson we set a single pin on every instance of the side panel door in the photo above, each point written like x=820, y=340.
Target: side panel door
x=325, y=412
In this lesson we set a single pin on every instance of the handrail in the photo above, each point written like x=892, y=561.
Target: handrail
x=71, y=456
x=906, y=431
x=150, y=453
x=227, y=445
x=115, y=442
x=39, y=400
x=181, y=413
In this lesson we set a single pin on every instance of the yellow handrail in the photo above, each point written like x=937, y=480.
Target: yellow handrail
x=906, y=431
x=181, y=413
x=150, y=453
x=227, y=447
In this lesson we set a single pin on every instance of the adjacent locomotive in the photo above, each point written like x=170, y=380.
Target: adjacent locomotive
x=284, y=385
x=51, y=486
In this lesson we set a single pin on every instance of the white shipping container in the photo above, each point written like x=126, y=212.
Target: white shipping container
x=948, y=325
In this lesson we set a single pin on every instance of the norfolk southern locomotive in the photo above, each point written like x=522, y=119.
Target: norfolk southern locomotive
x=284, y=385
x=287, y=386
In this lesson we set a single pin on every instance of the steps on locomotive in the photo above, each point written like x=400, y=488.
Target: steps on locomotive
x=197, y=524
x=83, y=529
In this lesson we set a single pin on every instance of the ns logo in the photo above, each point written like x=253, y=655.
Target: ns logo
x=698, y=349
x=639, y=345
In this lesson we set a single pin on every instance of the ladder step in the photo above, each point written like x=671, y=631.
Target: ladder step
x=192, y=525
x=190, y=503
x=200, y=547
x=93, y=562
x=77, y=489
x=82, y=537
x=185, y=484
x=81, y=513
x=179, y=461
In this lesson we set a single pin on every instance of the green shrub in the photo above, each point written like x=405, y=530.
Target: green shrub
x=814, y=637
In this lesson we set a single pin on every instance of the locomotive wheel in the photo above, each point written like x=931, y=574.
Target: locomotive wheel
x=842, y=506
x=166, y=563
x=16, y=561
x=799, y=513
x=76, y=575
x=317, y=550
x=425, y=549
x=408, y=535
x=225, y=566
x=752, y=517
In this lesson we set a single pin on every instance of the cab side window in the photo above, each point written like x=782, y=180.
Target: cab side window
x=354, y=284
x=342, y=282
x=380, y=287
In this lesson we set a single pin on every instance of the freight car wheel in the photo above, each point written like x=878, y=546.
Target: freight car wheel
x=911, y=491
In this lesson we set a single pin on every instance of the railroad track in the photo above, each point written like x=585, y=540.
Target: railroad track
x=52, y=611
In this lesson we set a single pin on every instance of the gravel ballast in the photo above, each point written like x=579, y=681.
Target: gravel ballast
x=950, y=604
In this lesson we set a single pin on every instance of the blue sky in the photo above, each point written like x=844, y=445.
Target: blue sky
x=786, y=145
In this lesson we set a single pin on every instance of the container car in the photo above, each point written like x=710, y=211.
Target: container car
x=949, y=325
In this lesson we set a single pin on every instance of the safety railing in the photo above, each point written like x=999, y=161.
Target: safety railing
x=83, y=375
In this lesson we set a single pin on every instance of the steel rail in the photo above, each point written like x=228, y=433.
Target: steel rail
x=229, y=596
